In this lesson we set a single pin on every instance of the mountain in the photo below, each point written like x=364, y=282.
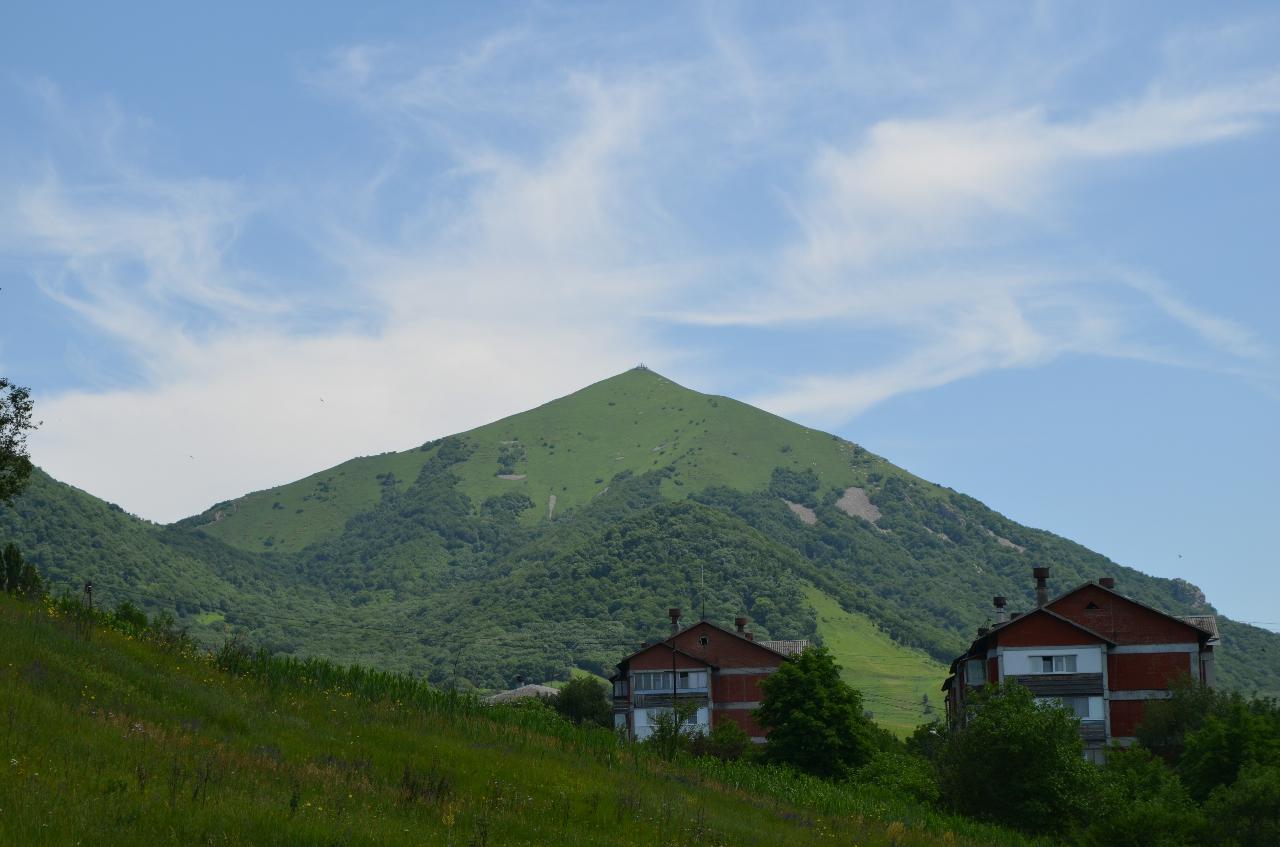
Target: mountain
x=558, y=537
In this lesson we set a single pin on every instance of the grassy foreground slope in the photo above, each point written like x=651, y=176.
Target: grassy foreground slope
x=112, y=740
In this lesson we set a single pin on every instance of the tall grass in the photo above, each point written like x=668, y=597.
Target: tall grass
x=118, y=734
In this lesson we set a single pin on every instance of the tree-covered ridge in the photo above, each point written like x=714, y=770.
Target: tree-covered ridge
x=440, y=567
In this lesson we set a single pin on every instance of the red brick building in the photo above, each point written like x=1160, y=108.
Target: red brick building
x=1098, y=652
x=715, y=669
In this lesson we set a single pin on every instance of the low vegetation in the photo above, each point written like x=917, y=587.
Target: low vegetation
x=429, y=562
x=120, y=730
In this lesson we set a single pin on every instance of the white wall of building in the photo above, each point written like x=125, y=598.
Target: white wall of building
x=646, y=718
x=1023, y=661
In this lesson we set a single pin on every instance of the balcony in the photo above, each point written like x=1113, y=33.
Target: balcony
x=1062, y=684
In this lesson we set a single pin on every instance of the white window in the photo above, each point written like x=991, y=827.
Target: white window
x=975, y=672
x=657, y=682
x=1083, y=707
x=653, y=681
x=620, y=688
x=691, y=680
x=619, y=720
x=1053, y=664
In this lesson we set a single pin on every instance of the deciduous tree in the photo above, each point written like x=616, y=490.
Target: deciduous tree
x=814, y=718
x=15, y=422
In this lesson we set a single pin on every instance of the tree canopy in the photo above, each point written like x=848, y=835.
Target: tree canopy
x=1017, y=762
x=15, y=422
x=815, y=719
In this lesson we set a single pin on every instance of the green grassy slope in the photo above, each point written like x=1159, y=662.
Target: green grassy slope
x=427, y=561
x=893, y=679
x=110, y=740
x=569, y=448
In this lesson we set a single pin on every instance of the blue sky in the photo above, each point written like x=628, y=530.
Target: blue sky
x=1024, y=250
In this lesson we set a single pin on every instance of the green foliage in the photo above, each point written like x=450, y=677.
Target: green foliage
x=585, y=699
x=1247, y=812
x=117, y=740
x=15, y=422
x=19, y=576
x=1210, y=736
x=425, y=562
x=130, y=618
x=814, y=718
x=928, y=739
x=1017, y=762
x=796, y=486
x=1143, y=803
x=1235, y=734
x=671, y=730
x=902, y=774
x=726, y=741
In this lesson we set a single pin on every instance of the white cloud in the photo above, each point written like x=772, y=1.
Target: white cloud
x=549, y=249
x=529, y=293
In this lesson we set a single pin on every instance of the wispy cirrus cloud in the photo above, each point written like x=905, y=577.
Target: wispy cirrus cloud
x=523, y=223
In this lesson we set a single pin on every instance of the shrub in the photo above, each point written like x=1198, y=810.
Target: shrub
x=585, y=699
x=1017, y=762
x=902, y=774
x=1247, y=813
x=727, y=741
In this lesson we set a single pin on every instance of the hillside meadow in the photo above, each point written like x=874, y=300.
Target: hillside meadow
x=112, y=737
x=446, y=561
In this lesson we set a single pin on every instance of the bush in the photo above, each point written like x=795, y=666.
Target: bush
x=1018, y=763
x=585, y=699
x=727, y=742
x=1145, y=803
x=1247, y=813
x=902, y=774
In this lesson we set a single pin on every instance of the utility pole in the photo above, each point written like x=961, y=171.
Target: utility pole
x=675, y=629
x=88, y=593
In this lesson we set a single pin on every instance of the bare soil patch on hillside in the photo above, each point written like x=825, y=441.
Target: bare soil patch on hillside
x=804, y=513
x=855, y=503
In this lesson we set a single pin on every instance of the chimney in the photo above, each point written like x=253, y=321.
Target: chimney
x=1108, y=582
x=675, y=620
x=748, y=636
x=741, y=624
x=1042, y=587
x=1001, y=615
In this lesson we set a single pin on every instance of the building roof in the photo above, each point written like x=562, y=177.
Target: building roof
x=522, y=693
x=787, y=648
x=1209, y=623
x=778, y=647
x=1189, y=620
x=1042, y=610
x=667, y=647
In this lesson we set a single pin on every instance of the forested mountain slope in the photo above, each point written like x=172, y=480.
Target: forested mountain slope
x=558, y=538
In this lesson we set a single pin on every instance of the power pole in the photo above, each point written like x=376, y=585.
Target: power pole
x=88, y=594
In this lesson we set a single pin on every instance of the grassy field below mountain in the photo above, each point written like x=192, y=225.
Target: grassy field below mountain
x=896, y=681
x=114, y=739
x=448, y=561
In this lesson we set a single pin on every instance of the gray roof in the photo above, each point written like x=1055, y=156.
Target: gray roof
x=1209, y=623
x=521, y=693
x=787, y=648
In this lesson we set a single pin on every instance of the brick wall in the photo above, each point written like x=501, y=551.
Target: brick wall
x=1138, y=671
